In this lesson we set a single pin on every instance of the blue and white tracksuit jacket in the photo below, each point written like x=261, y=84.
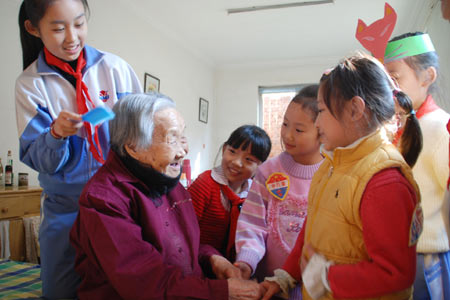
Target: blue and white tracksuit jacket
x=64, y=165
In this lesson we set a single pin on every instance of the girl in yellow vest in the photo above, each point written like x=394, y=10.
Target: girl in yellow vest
x=364, y=214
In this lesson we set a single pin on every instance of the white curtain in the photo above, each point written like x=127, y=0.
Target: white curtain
x=5, y=252
x=31, y=225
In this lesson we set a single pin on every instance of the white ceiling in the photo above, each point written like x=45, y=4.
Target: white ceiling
x=304, y=34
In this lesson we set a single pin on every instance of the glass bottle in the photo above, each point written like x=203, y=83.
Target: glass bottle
x=9, y=177
x=1, y=173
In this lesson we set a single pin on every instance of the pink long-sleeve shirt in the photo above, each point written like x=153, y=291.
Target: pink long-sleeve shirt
x=273, y=214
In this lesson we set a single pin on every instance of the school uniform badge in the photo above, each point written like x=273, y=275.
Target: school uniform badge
x=278, y=185
x=416, y=225
x=103, y=95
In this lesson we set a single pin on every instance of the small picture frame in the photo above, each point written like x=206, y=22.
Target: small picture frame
x=203, y=110
x=151, y=83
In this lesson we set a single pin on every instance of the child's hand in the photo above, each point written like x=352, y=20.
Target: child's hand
x=66, y=124
x=223, y=269
x=246, y=270
x=308, y=252
x=271, y=288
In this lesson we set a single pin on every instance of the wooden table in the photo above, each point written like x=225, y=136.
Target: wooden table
x=15, y=203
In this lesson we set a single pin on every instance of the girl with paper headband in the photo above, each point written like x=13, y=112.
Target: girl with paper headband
x=62, y=79
x=412, y=61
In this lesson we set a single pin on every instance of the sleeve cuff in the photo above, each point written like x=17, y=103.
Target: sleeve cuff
x=284, y=280
x=218, y=289
x=54, y=143
x=249, y=257
x=315, y=276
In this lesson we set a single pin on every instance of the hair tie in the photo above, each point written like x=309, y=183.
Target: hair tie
x=328, y=71
x=395, y=92
x=412, y=112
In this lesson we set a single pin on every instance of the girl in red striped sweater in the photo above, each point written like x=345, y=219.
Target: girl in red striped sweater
x=218, y=194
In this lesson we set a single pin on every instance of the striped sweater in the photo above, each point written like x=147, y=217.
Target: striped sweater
x=273, y=214
x=213, y=208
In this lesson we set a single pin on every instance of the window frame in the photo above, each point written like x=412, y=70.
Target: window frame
x=275, y=89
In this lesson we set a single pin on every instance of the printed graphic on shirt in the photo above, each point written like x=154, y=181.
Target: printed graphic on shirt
x=104, y=95
x=286, y=220
x=278, y=185
x=416, y=225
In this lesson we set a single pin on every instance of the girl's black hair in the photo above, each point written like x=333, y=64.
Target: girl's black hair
x=253, y=136
x=363, y=76
x=34, y=10
x=412, y=135
x=307, y=98
x=422, y=61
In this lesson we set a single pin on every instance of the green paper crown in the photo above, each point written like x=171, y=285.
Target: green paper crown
x=409, y=46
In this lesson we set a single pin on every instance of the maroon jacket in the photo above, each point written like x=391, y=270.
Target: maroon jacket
x=130, y=246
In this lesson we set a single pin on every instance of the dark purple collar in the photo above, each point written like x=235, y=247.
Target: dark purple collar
x=156, y=183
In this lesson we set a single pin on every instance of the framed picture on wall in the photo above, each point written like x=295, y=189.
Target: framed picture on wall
x=151, y=83
x=203, y=110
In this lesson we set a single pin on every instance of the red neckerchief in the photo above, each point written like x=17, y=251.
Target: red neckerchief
x=234, y=214
x=82, y=98
x=428, y=106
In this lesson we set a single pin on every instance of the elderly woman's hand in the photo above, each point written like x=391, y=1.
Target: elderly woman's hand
x=223, y=269
x=239, y=289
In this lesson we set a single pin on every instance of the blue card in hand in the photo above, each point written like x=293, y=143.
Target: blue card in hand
x=98, y=115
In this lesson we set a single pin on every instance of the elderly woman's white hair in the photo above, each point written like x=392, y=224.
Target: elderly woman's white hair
x=133, y=123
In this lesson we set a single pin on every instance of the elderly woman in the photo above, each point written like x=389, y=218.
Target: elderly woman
x=136, y=235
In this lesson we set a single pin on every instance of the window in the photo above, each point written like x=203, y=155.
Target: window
x=272, y=105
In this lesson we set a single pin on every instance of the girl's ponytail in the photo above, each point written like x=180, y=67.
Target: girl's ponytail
x=411, y=141
x=31, y=45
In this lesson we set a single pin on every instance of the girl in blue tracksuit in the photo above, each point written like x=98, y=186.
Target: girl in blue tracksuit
x=62, y=79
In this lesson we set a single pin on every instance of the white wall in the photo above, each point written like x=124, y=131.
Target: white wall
x=113, y=27
x=11, y=68
x=237, y=90
x=439, y=31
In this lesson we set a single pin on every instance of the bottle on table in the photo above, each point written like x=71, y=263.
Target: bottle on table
x=9, y=176
x=1, y=173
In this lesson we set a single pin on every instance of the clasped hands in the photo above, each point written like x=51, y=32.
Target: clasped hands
x=238, y=275
x=239, y=285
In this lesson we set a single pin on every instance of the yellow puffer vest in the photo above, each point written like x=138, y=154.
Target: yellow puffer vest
x=334, y=201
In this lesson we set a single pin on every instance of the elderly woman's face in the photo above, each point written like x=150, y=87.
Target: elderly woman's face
x=169, y=145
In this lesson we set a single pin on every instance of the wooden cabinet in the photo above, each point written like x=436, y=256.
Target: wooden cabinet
x=15, y=203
